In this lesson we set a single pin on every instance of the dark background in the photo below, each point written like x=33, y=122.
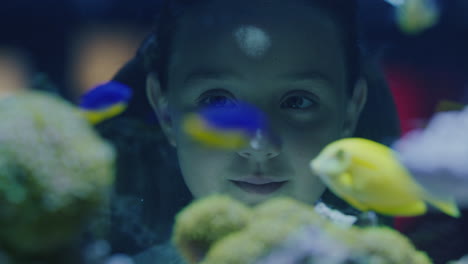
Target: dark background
x=43, y=28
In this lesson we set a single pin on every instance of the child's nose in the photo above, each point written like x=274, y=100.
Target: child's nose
x=262, y=146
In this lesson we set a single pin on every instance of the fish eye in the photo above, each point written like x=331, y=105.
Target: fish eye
x=340, y=154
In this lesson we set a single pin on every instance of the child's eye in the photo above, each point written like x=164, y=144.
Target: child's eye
x=299, y=102
x=216, y=100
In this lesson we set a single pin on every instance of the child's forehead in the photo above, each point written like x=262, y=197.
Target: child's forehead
x=260, y=44
x=257, y=23
x=224, y=16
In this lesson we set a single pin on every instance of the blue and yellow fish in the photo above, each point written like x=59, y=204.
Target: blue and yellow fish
x=225, y=127
x=105, y=101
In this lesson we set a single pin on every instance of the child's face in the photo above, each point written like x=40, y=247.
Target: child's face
x=288, y=60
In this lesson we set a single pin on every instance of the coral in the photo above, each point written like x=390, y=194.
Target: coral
x=383, y=245
x=282, y=230
x=201, y=224
x=55, y=171
x=436, y=155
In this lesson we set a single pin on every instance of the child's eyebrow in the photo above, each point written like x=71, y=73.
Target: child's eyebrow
x=209, y=74
x=198, y=75
x=305, y=76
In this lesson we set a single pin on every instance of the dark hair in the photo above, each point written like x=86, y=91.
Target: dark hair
x=158, y=50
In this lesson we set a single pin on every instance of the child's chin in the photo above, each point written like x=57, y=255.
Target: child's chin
x=253, y=198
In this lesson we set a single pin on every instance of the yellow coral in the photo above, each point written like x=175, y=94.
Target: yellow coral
x=385, y=245
x=204, y=222
x=285, y=226
x=287, y=209
x=272, y=223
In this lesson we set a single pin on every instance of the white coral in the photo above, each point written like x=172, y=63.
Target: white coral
x=437, y=155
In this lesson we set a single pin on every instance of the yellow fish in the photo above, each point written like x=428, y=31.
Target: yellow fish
x=369, y=177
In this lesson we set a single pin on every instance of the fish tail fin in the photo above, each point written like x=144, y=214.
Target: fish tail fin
x=446, y=205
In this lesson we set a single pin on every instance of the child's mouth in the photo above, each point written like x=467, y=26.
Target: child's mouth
x=265, y=188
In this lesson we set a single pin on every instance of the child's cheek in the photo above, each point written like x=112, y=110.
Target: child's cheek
x=203, y=169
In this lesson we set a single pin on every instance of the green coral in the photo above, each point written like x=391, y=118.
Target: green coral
x=283, y=230
x=272, y=223
x=385, y=245
x=201, y=224
x=54, y=171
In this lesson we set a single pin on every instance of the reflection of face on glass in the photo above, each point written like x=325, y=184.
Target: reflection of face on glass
x=253, y=41
x=289, y=62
